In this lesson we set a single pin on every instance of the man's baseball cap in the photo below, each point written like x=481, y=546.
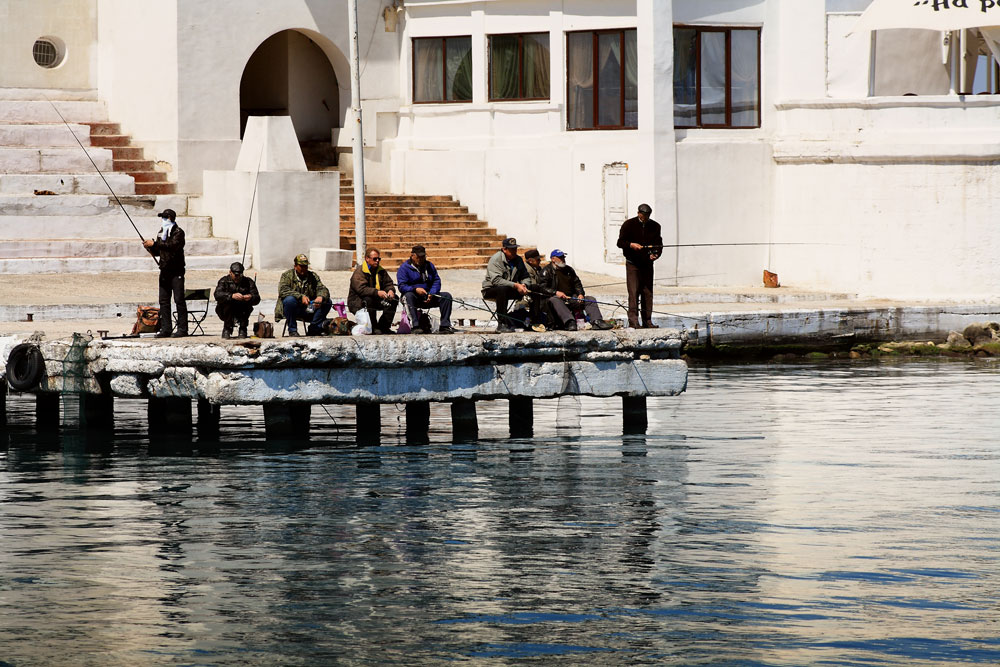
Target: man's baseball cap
x=169, y=213
x=510, y=242
x=531, y=254
x=557, y=253
x=236, y=268
x=301, y=260
x=645, y=209
x=419, y=251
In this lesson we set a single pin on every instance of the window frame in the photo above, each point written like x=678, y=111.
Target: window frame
x=728, y=30
x=444, y=70
x=520, y=67
x=595, y=69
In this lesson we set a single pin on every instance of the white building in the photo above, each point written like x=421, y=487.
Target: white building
x=756, y=122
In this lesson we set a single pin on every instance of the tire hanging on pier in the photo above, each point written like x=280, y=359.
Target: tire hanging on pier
x=25, y=367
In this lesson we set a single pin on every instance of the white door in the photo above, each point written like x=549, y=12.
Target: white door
x=615, y=180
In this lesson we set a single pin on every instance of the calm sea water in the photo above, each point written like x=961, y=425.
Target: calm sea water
x=842, y=514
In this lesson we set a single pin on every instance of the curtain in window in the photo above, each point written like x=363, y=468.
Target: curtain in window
x=631, y=80
x=428, y=85
x=458, y=68
x=503, y=67
x=536, y=66
x=685, y=78
x=609, y=82
x=580, y=84
x=744, y=87
x=713, y=78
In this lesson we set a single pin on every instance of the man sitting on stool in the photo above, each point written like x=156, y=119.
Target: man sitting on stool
x=372, y=289
x=235, y=297
x=300, y=290
x=506, y=279
x=420, y=285
x=560, y=278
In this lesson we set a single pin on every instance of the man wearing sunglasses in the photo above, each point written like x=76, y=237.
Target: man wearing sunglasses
x=372, y=288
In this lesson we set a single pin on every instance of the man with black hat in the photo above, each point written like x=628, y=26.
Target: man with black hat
x=235, y=297
x=169, y=247
x=642, y=245
x=506, y=279
x=302, y=296
x=420, y=287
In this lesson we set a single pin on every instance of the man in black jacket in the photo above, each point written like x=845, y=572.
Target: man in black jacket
x=642, y=245
x=235, y=297
x=559, y=279
x=169, y=247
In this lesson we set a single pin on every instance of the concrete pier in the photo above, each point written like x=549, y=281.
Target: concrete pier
x=287, y=376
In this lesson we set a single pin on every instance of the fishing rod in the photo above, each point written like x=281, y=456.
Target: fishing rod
x=110, y=189
x=253, y=198
x=657, y=280
x=661, y=246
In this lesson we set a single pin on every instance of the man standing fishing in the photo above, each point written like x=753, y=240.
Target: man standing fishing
x=169, y=247
x=642, y=245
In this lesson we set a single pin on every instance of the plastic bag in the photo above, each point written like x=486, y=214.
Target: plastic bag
x=404, y=323
x=364, y=325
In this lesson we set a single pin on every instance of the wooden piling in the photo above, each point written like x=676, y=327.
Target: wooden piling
x=521, y=417
x=634, y=419
x=369, y=423
x=418, y=421
x=464, y=421
x=209, y=415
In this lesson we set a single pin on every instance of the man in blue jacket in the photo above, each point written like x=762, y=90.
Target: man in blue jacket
x=420, y=287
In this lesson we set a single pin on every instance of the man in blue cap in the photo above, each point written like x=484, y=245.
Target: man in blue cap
x=560, y=278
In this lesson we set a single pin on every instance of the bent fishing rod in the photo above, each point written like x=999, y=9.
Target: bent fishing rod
x=98, y=169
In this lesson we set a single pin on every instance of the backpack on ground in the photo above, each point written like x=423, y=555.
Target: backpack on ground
x=147, y=320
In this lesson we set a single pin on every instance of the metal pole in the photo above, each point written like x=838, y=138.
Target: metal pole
x=963, y=62
x=360, y=235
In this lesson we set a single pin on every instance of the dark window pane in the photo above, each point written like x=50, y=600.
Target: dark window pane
x=713, y=78
x=609, y=100
x=580, y=84
x=428, y=85
x=744, y=80
x=631, y=80
x=458, y=68
x=685, y=78
x=504, y=67
x=536, y=65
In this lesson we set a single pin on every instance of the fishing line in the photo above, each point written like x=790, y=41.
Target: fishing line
x=253, y=198
x=87, y=153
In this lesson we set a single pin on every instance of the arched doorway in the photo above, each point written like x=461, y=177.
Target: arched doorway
x=290, y=75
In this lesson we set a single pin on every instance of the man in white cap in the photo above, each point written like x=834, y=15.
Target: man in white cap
x=560, y=278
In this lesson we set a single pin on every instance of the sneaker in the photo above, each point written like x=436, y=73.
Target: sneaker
x=602, y=325
x=227, y=334
x=292, y=332
x=571, y=325
x=446, y=330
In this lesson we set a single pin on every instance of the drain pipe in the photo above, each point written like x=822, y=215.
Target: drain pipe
x=357, y=150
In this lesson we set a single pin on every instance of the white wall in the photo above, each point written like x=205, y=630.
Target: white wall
x=73, y=22
x=513, y=163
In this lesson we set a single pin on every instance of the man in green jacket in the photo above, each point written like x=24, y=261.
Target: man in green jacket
x=302, y=296
x=506, y=279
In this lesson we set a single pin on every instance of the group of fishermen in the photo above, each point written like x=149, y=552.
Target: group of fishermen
x=527, y=295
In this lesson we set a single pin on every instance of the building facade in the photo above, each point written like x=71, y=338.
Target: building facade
x=763, y=133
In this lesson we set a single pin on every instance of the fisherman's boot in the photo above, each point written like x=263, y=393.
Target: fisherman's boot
x=227, y=329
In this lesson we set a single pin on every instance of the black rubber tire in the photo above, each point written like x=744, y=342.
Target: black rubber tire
x=25, y=367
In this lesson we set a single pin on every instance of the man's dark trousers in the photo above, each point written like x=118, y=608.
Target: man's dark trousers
x=172, y=285
x=502, y=295
x=295, y=311
x=639, y=278
x=373, y=304
x=234, y=311
x=413, y=302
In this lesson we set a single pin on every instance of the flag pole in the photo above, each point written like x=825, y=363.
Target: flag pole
x=357, y=150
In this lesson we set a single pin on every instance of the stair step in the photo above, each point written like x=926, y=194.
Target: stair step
x=104, y=128
x=43, y=135
x=148, y=176
x=162, y=188
x=78, y=204
x=110, y=140
x=16, y=160
x=93, y=226
x=92, y=248
x=134, y=165
x=41, y=111
x=55, y=94
x=122, y=184
x=127, y=153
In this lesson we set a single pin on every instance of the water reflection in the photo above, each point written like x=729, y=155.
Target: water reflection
x=771, y=515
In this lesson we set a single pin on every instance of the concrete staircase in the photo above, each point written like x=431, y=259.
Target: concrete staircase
x=56, y=212
x=454, y=238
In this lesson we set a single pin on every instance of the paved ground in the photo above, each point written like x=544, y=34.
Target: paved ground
x=45, y=293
